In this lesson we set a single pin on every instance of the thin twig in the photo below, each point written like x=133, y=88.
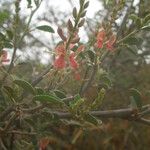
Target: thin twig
x=2, y=145
x=91, y=78
x=41, y=76
x=21, y=133
x=144, y=121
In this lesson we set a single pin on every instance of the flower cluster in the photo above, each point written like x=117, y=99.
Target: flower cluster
x=101, y=38
x=66, y=58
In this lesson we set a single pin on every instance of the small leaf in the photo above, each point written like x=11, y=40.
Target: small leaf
x=83, y=14
x=98, y=101
x=81, y=23
x=91, y=54
x=133, y=41
x=137, y=97
x=76, y=103
x=4, y=16
x=146, y=27
x=39, y=90
x=10, y=91
x=8, y=45
x=25, y=85
x=46, y=28
x=86, y=5
x=70, y=25
x=133, y=103
x=48, y=98
x=136, y=19
x=106, y=80
x=59, y=94
x=2, y=36
x=29, y=3
x=146, y=19
x=10, y=34
x=107, y=1
x=92, y=119
x=74, y=12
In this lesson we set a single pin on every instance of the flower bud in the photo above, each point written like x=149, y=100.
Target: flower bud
x=74, y=12
x=75, y=40
x=61, y=34
x=70, y=25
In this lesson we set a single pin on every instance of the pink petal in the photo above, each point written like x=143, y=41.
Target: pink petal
x=73, y=62
x=59, y=62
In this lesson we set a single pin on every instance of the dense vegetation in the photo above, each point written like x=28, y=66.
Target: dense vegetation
x=90, y=94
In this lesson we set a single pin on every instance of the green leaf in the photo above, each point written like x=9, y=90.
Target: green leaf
x=133, y=41
x=91, y=55
x=2, y=36
x=8, y=45
x=10, y=91
x=46, y=28
x=10, y=34
x=147, y=27
x=39, y=90
x=76, y=103
x=106, y=80
x=7, y=93
x=48, y=98
x=3, y=16
x=59, y=94
x=90, y=118
x=29, y=3
x=136, y=19
x=146, y=19
x=98, y=101
x=136, y=96
x=133, y=103
x=25, y=85
x=107, y=2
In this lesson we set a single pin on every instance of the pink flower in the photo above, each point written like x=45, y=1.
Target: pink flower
x=100, y=38
x=3, y=56
x=60, y=50
x=59, y=62
x=73, y=62
x=81, y=48
x=110, y=43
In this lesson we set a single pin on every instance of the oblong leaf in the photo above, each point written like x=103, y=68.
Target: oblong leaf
x=137, y=97
x=46, y=28
x=91, y=119
x=25, y=85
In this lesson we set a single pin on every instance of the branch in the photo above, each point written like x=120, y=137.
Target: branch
x=2, y=144
x=41, y=76
x=144, y=121
x=123, y=23
x=126, y=113
x=21, y=133
x=91, y=78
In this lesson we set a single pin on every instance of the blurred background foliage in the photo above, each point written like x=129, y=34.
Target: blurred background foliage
x=128, y=67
